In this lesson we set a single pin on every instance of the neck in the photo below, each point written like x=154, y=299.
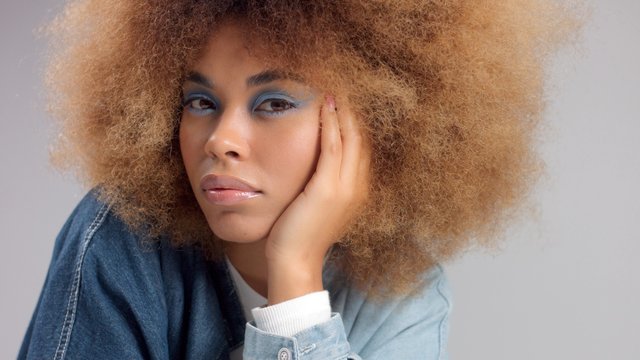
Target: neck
x=251, y=263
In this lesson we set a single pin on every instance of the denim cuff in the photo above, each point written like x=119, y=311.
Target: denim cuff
x=293, y=316
x=322, y=341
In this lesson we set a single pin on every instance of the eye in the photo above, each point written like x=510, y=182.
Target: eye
x=275, y=105
x=199, y=104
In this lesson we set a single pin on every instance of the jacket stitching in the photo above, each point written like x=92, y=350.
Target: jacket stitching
x=443, y=321
x=70, y=315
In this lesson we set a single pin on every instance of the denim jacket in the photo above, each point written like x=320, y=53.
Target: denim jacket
x=110, y=295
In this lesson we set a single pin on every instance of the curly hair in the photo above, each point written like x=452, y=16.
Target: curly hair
x=449, y=94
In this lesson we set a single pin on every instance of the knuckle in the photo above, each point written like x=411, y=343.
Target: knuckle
x=357, y=139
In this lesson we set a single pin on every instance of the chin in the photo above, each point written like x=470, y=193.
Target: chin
x=238, y=231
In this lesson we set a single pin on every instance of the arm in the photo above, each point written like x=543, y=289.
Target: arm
x=314, y=221
x=413, y=327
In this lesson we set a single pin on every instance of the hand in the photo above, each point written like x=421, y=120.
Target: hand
x=316, y=219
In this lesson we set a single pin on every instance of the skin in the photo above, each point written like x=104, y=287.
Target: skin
x=308, y=162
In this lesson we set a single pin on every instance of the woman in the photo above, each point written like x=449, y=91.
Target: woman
x=281, y=179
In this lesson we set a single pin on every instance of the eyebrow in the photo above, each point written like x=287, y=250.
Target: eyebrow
x=261, y=78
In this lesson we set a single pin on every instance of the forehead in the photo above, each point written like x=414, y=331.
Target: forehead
x=234, y=52
x=227, y=60
x=226, y=48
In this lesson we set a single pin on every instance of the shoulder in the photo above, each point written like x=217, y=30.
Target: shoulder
x=384, y=328
x=86, y=283
x=114, y=292
x=92, y=232
x=431, y=292
x=98, y=248
x=96, y=252
x=81, y=225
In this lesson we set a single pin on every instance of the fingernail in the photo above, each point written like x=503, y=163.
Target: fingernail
x=331, y=103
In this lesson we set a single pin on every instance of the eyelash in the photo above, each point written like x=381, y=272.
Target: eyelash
x=189, y=101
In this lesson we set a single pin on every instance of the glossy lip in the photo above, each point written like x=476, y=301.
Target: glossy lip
x=227, y=190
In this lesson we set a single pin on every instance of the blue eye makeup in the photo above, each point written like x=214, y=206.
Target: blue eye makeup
x=267, y=103
x=274, y=103
x=199, y=103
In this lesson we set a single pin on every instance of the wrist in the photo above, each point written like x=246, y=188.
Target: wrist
x=288, y=280
x=290, y=317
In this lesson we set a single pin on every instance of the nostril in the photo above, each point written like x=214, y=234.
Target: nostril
x=232, y=154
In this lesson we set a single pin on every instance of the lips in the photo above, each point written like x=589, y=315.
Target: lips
x=227, y=190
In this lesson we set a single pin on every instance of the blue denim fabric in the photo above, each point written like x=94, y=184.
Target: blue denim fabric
x=109, y=294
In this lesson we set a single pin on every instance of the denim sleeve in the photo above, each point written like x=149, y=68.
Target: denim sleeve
x=415, y=327
x=322, y=342
x=88, y=308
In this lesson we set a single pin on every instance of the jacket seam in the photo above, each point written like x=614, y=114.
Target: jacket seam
x=70, y=314
x=443, y=321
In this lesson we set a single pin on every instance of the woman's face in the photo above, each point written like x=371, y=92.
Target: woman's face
x=249, y=138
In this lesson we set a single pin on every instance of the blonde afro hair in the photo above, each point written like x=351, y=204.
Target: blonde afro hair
x=449, y=94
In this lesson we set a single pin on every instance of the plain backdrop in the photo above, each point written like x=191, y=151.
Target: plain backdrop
x=565, y=283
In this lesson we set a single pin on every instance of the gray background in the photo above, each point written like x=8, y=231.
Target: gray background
x=564, y=286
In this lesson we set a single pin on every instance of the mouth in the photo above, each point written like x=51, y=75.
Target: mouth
x=227, y=190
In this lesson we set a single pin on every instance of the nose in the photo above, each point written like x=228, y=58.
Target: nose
x=229, y=138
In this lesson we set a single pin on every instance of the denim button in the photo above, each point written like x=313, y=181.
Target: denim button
x=284, y=354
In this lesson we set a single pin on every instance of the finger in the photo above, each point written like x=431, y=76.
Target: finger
x=352, y=144
x=330, y=142
x=364, y=171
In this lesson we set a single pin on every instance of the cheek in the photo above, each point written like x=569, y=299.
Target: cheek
x=293, y=155
x=300, y=151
